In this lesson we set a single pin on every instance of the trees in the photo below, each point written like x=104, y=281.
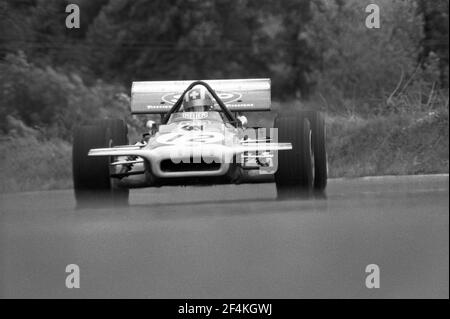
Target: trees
x=50, y=100
x=435, y=35
x=204, y=39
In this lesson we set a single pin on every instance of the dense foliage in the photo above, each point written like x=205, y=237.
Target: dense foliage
x=319, y=52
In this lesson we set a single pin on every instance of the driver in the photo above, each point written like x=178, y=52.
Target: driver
x=198, y=99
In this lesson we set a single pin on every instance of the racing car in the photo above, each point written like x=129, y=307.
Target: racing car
x=202, y=138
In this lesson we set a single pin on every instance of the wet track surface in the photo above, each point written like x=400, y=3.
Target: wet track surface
x=232, y=242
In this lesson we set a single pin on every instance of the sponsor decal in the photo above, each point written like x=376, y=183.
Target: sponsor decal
x=195, y=115
x=158, y=107
x=189, y=127
x=226, y=97
x=241, y=105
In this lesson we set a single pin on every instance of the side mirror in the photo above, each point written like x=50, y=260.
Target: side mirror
x=150, y=124
x=243, y=120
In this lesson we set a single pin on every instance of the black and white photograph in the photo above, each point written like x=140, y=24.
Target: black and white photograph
x=235, y=152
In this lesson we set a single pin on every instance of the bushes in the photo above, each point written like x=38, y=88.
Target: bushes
x=38, y=109
x=389, y=145
x=30, y=163
x=362, y=69
x=52, y=101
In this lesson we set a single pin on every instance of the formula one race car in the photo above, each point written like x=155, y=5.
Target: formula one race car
x=202, y=139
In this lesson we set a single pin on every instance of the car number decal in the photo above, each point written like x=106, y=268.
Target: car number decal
x=189, y=138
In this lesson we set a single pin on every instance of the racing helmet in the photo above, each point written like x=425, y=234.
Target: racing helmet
x=198, y=99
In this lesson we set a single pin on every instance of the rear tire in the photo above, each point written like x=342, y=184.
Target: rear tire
x=294, y=176
x=91, y=175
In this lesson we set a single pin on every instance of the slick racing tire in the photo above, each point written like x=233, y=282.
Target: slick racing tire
x=317, y=123
x=294, y=176
x=91, y=175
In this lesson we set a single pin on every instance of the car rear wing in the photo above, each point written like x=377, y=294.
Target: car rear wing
x=240, y=95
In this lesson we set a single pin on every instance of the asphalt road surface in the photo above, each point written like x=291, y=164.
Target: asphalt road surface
x=232, y=242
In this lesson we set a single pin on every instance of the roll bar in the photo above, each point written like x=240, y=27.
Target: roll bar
x=178, y=103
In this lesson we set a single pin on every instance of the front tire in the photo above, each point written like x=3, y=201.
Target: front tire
x=294, y=176
x=318, y=131
x=91, y=175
